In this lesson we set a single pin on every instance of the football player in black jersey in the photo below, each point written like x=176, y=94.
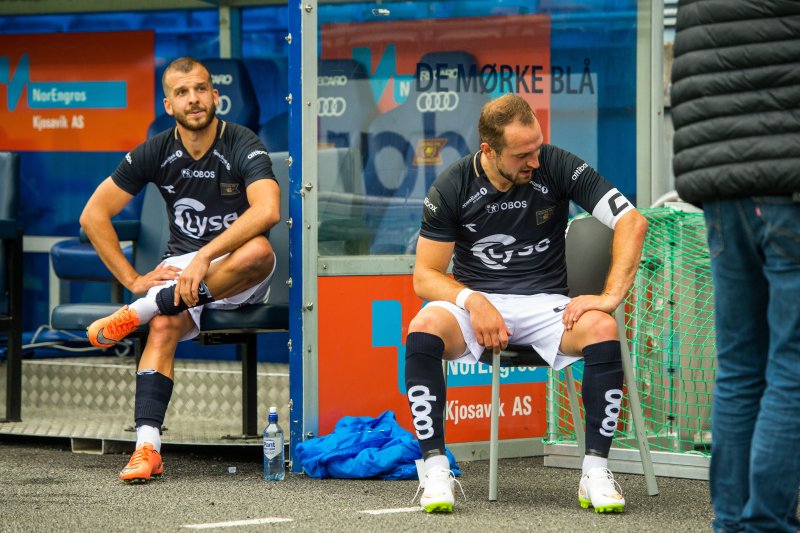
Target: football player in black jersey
x=501, y=215
x=222, y=199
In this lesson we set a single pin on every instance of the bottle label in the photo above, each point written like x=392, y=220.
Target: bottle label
x=272, y=447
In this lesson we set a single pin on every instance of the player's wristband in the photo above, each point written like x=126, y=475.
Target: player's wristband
x=462, y=297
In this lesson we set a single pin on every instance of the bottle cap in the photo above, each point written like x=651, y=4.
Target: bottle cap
x=273, y=409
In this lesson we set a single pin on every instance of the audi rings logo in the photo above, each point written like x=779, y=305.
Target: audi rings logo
x=224, y=106
x=437, y=101
x=331, y=106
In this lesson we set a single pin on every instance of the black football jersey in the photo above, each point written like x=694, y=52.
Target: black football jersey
x=513, y=242
x=204, y=197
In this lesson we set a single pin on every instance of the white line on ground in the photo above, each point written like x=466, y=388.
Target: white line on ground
x=236, y=523
x=396, y=510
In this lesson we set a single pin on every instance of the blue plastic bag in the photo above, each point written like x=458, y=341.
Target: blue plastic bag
x=364, y=447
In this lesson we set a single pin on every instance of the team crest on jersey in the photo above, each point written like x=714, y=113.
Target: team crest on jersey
x=544, y=215
x=429, y=152
x=228, y=189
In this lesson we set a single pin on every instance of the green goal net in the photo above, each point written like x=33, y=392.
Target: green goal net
x=669, y=323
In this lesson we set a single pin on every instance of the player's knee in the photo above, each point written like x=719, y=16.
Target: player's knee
x=599, y=327
x=424, y=322
x=163, y=328
x=258, y=250
x=256, y=258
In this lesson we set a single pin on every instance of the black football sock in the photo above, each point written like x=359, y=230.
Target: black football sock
x=153, y=392
x=426, y=390
x=165, y=299
x=602, y=394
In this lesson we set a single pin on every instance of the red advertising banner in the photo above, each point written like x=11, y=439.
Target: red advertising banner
x=363, y=323
x=76, y=91
x=512, y=54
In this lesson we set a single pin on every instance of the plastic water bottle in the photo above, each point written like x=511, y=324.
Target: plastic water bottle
x=273, y=448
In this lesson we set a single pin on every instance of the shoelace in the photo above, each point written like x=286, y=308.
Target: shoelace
x=453, y=477
x=122, y=322
x=612, y=483
x=142, y=455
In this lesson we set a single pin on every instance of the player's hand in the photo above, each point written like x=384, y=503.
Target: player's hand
x=189, y=281
x=587, y=302
x=487, y=323
x=158, y=276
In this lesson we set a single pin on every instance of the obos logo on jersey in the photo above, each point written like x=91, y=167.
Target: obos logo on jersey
x=189, y=173
x=505, y=206
x=196, y=226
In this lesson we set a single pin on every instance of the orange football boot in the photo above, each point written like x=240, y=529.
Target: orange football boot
x=106, y=332
x=145, y=464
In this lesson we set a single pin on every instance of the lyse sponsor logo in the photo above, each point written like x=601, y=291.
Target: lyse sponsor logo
x=420, y=398
x=496, y=249
x=609, y=424
x=458, y=412
x=196, y=226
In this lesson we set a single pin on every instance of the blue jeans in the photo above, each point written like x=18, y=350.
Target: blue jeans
x=755, y=452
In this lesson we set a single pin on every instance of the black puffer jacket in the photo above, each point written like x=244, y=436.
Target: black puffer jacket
x=736, y=98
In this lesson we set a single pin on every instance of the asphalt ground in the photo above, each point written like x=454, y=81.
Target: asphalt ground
x=45, y=487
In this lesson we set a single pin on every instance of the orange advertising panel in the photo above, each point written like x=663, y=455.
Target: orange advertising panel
x=363, y=323
x=76, y=91
x=511, y=53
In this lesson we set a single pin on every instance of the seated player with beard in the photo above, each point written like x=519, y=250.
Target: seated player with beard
x=222, y=198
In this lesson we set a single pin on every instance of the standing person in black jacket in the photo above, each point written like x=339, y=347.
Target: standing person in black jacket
x=736, y=109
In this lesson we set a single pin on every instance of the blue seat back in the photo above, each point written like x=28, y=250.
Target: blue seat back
x=270, y=78
x=274, y=133
x=237, y=98
x=279, y=234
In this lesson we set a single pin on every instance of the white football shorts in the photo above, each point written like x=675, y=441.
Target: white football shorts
x=534, y=320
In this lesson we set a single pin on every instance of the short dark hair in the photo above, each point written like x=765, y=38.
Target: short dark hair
x=499, y=113
x=184, y=65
